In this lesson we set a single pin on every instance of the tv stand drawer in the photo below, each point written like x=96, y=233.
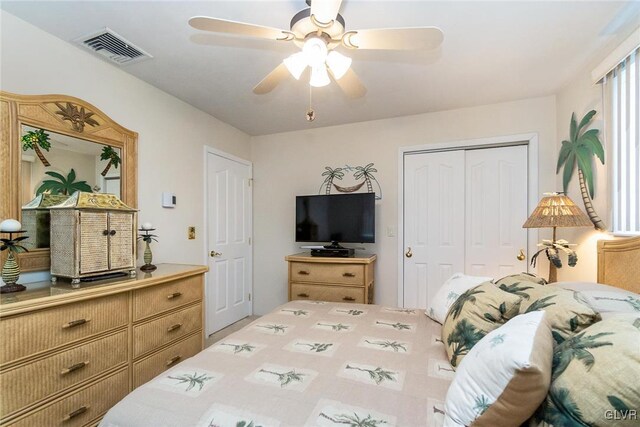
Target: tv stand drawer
x=347, y=274
x=332, y=293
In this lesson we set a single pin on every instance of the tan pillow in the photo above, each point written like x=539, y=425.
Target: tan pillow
x=521, y=277
x=595, y=376
x=505, y=377
x=476, y=312
x=568, y=311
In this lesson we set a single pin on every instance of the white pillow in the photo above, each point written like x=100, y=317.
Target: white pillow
x=605, y=298
x=505, y=376
x=455, y=286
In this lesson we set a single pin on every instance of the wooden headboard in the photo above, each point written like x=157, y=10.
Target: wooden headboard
x=619, y=263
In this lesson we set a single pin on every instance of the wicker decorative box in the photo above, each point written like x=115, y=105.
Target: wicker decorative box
x=92, y=234
x=36, y=219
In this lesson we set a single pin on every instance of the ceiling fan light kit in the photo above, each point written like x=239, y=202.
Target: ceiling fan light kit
x=317, y=31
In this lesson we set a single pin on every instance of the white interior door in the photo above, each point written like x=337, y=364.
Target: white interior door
x=496, y=208
x=433, y=223
x=229, y=222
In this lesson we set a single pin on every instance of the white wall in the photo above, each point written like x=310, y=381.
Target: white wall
x=171, y=133
x=290, y=164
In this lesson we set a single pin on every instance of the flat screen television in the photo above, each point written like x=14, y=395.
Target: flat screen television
x=336, y=218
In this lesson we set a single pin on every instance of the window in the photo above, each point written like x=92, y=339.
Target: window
x=622, y=92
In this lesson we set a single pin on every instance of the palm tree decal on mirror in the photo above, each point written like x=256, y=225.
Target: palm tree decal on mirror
x=192, y=380
x=353, y=420
x=108, y=153
x=377, y=375
x=361, y=176
x=285, y=378
x=63, y=185
x=35, y=140
x=577, y=347
x=579, y=150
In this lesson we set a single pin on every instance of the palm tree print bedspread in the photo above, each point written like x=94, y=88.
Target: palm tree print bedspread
x=305, y=363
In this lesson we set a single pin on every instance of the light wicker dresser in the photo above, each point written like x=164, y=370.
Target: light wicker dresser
x=331, y=279
x=68, y=355
x=92, y=234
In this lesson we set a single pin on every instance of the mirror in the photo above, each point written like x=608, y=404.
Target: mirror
x=66, y=139
x=53, y=166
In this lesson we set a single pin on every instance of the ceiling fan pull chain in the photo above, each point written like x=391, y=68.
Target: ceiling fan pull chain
x=311, y=115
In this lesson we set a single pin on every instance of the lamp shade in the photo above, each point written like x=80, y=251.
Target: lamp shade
x=557, y=210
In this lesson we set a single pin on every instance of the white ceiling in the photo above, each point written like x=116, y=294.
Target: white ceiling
x=492, y=52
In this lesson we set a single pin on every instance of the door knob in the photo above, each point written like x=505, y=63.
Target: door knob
x=408, y=254
x=214, y=254
x=521, y=256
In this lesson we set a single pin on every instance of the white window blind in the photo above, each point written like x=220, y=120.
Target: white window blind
x=622, y=92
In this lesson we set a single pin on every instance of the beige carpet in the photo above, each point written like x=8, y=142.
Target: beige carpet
x=222, y=333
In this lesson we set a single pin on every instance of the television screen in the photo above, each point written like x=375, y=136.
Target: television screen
x=344, y=218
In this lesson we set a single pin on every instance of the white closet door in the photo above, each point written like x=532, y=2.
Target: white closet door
x=434, y=191
x=495, y=209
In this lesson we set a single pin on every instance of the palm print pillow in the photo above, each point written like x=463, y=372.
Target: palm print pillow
x=521, y=277
x=568, y=311
x=476, y=312
x=504, y=377
x=595, y=376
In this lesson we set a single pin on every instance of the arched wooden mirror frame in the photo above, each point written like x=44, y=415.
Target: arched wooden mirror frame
x=65, y=115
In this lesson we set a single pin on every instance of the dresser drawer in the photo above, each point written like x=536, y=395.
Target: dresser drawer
x=348, y=274
x=34, y=381
x=157, y=299
x=332, y=293
x=147, y=369
x=82, y=406
x=43, y=330
x=151, y=335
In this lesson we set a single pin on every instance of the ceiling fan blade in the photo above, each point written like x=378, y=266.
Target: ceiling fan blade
x=216, y=25
x=351, y=84
x=325, y=11
x=272, y=80
x=394, y=38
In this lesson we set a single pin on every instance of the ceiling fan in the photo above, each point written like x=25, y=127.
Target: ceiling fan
x=318, y=31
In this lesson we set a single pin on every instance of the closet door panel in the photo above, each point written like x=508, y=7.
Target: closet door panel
x=495, y=209
x=433, y=223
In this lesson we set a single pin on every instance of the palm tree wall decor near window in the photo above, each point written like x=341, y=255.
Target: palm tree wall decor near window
x=108, y=153
x=579, y=151
x=35, y=140
x=362, y=178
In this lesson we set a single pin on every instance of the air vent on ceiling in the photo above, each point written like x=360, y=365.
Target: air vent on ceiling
x=113, y=47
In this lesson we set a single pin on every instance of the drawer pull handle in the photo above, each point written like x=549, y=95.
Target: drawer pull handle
x=81, y=410
x=174, y=295
x=303, y=295
x=303, y=273
x=348, y=299
x=74, y=367
x=75, y=323
x=173, y=360
x=349, y=274
x=174, y=327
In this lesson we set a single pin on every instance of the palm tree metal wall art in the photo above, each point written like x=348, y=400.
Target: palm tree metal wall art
x=579, y=151
x=362, y=176
x=35, y=140
x=108, y=153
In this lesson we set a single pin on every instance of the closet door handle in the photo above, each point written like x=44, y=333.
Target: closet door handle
x=408, y=254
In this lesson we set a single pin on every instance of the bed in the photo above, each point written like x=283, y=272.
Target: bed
x=320, y=363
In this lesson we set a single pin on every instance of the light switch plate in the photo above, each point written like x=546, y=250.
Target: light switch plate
x=191, y=233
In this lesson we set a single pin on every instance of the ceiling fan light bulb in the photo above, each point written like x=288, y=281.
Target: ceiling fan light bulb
x=296, y=64
x=319, y=77
x=315, y=50
x=338, y=63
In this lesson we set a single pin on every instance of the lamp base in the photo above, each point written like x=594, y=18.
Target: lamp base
x=12, y=287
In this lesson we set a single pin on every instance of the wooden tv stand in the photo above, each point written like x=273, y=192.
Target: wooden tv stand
x=331, y=279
